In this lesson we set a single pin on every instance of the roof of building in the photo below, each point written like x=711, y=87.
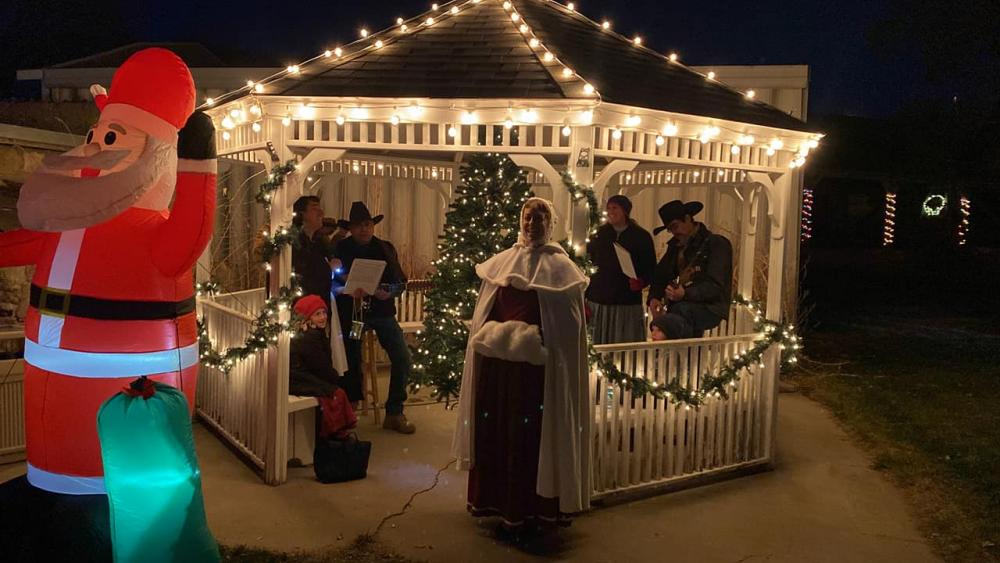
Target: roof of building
x=195, y=55
x=482, y=52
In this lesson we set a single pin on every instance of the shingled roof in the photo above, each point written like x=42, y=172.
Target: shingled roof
x=481, y=53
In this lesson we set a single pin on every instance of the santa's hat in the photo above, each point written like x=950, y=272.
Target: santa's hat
x=152, y=91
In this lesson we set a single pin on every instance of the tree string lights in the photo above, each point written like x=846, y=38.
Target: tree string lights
x=889, y=227
x=484, y=218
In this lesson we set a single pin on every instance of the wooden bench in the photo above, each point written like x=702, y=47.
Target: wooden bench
x=301, y=428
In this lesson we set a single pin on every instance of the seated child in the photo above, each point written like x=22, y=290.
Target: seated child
x=658, y=328
x=311, y=373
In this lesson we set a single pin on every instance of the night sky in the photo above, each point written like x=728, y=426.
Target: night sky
x=868, y=57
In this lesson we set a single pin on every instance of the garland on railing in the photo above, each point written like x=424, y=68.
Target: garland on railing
x=711, y=384
x=209, y=288
x=265, y=330
x=275, y=180
x=265, y=327
x=274, y=242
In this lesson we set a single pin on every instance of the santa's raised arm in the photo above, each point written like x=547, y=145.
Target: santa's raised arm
x=112, y=297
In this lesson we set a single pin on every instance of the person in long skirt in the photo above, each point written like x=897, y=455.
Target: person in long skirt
x=614, y=297
x=524, y=406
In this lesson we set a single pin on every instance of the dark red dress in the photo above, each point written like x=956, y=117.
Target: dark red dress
x=508, y=427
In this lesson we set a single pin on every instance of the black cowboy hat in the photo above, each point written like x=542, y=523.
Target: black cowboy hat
x=359, y=213
x=676, y=209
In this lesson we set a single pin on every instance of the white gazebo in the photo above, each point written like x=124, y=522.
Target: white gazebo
x=389, y=118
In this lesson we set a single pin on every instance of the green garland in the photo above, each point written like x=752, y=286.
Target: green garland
x=265, y=331
x=275, y=180
x=265, y=327
x=273, y=243
x=711, y=384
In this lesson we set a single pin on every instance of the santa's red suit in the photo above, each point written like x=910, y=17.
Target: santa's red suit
x=112, y=295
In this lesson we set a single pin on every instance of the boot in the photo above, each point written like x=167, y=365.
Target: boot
x=398, y=423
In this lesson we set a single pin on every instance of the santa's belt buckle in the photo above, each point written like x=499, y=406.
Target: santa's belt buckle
x=54, y=302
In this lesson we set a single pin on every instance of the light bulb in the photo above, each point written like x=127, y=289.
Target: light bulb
x=454, y=9
x=533, y=42
x=670, y=129
x=429, y=21
x=711, y=75
x=566, y=72
x=399, y=21
x=637, y=40
x=571, y=6
x=566, y=130
x=255, y=127
x=364, y=33
x=547, y=57
x=286, y=121
x=328, y=53
x=515, y=16
x=588, y=89
x=750, y=94
x=249, y=83
x=633, y=121
x=340, y=120
x=659, y=140
x=616, y=134
x=606, y=24
x=394, y=119
x=378, y=44
x=673, y=57
x=452, y=131
x=508, y=123
x=338, y=51
x=293, y=69
x=209, y=101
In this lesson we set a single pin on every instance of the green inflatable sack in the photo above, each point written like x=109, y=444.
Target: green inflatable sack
x=152, y=478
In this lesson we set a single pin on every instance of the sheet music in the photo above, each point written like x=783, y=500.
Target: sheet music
x=365, y=274
x=625, y=261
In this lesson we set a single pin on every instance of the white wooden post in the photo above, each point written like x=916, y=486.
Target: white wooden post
x=581, y=166
x=778, y=197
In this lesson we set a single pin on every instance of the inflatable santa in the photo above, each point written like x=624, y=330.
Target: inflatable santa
x=112, y=296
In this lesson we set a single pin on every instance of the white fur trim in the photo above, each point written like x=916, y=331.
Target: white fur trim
x=515, y=341
x=209, y=166
x=141, y=119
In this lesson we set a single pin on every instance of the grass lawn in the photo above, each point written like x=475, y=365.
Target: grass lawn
x=921, y=391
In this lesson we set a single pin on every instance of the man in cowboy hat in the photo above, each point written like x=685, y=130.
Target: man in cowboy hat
x=380, y=316
x=692, y=283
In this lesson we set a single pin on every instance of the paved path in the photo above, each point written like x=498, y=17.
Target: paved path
x=822, y=503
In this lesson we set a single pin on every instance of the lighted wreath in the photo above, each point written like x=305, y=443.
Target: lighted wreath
x=934, y=205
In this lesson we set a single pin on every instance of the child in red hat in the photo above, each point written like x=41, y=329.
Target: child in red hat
x=312, y=374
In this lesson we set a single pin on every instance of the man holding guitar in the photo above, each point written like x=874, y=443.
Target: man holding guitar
x=692, y=283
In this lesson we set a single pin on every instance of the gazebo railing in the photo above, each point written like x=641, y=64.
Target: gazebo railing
x=235, y=404
x=644, y=443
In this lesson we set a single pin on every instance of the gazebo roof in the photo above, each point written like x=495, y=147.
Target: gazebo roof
x=482, y=52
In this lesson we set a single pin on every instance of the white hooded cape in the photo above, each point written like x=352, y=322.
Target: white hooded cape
x=564, y=454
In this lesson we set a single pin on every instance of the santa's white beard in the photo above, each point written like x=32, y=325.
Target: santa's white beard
x=51, y=200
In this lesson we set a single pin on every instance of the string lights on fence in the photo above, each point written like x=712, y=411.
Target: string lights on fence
x=889, y=226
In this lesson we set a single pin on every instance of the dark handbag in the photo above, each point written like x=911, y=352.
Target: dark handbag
x=336, y=461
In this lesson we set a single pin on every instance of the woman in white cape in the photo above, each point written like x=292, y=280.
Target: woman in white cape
x=524, y=410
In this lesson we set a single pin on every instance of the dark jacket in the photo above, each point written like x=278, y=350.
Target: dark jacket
x=609, y=286
x=309, y=260
x=348, y=250
x=712, y=283
x=311, y=372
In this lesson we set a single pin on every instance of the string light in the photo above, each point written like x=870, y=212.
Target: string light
x=807, y=213
x=965, y=207
x=711, y=75
x=889, y=226
x=750, y=94
x=571, y=6
x=637, y=40
x=338, y=51
x=934, y=204
x=548, y=56
x=673, y=57
x=606, y=25
x=364, y=33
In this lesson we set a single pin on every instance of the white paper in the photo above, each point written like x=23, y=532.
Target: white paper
x=365, y=274
x=625, y=260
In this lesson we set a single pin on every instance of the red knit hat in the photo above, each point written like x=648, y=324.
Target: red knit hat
x=308, y=305
x=157, y=82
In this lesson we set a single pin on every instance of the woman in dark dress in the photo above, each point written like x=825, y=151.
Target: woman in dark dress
x=523, y=407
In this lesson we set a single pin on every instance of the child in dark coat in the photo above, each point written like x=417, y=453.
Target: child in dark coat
x=311, y=373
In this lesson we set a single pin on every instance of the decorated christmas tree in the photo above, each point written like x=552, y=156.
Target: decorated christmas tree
x=483, y=220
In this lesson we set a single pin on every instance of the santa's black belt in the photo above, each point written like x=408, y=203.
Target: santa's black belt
x=60, y=303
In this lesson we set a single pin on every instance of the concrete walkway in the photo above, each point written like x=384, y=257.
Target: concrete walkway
x=822, y=503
